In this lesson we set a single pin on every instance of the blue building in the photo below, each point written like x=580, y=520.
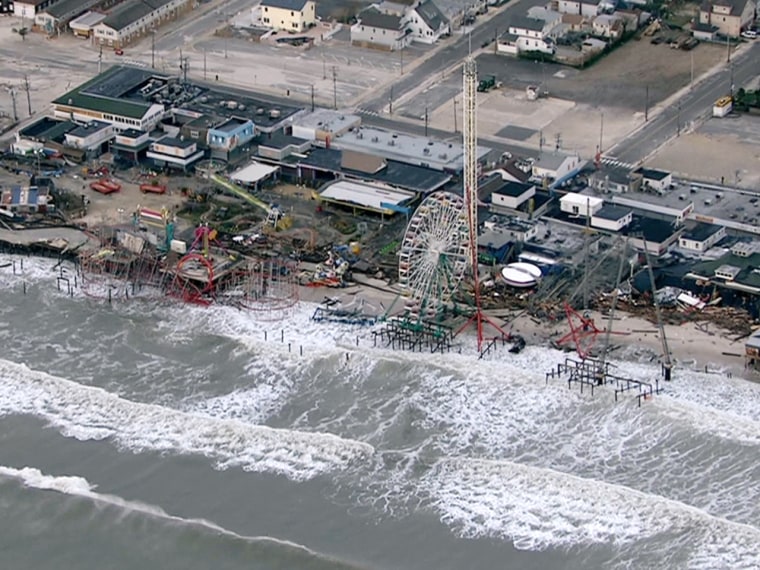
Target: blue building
x=228, y=137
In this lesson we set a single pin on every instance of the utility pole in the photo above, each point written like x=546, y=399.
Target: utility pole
x=324, y=65
x=401, y=57
x=601, y=133
x=540, y=142
x=496, y=40
x=204, y=64
x=28, y=96
x=13, y=100
x=153, y=49
x=691, y=84
x=678, y=120
x=426, y=121
x=728, y=49
x=335, y=86
x=312, y=98
x=558, y=142
x=100, y=59
x=646, y=104
x=455, y=114
x=390, y=101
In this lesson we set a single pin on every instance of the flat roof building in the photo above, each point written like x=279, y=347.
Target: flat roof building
x=366, y=196
x=420, y=151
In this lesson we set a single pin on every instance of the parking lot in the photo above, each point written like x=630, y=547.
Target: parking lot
x=721, y=150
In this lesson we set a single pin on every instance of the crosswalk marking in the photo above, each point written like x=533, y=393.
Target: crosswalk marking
x=367, y=112
x=610, y=161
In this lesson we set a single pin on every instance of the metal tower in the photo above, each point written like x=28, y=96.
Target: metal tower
x=470, y=133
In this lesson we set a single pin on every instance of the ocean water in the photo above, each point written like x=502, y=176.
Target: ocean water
x=168, y=436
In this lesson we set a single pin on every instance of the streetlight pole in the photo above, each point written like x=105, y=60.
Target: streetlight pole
x=678, y=120
x=455, y=115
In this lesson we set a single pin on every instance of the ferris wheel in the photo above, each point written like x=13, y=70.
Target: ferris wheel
x=434, y=253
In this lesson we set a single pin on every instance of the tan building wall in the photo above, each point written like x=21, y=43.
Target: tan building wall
x=289, y=20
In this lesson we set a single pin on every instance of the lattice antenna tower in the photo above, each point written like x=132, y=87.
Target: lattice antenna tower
x=470, y=133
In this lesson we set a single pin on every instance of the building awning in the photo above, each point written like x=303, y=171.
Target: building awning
x=367, y=196
x=254, y=172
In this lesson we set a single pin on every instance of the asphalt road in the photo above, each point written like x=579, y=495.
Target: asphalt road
x=451, y=54
x=192, y=27
x=689, y=110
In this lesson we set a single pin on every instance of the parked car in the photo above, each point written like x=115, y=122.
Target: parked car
x=749, y=34
x=119, y=51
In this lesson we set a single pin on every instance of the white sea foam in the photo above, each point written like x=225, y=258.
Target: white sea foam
x=88, y=413
x=539, y=508
x=79, y=486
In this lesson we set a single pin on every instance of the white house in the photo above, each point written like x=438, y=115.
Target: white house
x=91, y=136
x=288, y=15
x=512, y=195
x=612, y=218
x=378, y=30
x=657, y=180
x=580, y=204
x=608, y=26
x=426, y=22
x=701, y=237
x=556, y=165
x=533, y=35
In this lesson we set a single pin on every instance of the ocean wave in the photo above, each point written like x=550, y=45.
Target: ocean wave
x=538, y=508
x=79, y=486
x=88, y=413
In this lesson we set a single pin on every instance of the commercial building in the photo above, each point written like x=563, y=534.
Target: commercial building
x=555, y=167
x=324, y=125
x=288, y=15
x=420, y=151
x=736, y=271
x=56, y=17
x=367, y=196
x=701, y=236
x=92, y=138
x=225, y=139
x=122, y=96
x=170, y=152
x=580, y=204
x=612, y=218
x=24, y=199
x=512, y=195
x=133, y=19
x=130, y=145
x=730, y=17
x=657, y=180
x=30, y=8
x=614, y=179
x=752, y=351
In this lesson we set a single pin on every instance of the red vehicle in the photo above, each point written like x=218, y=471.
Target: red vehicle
x=114, y=186
x=152, y=188
x=119, y=51
x=102, y=188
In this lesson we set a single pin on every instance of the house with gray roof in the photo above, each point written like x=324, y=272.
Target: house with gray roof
x=133, y=19
x=427, y=22
x=731, y=17
x=379, y=30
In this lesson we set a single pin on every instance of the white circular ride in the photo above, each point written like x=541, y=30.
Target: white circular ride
x=434, y=253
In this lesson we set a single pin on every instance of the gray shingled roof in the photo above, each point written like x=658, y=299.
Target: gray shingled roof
x=525, y=23
x=373, y=18
x=126, y=14
x=295, y=5
x=432, y=16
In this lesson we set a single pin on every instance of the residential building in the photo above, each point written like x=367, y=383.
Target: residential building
x=569, y=7
x=731, y=17
x=591, y=8
x=587, y=8
x=30, y=8
x=574, y=22
x=701, y=237
x=533, y=34
x=614, y=179
x=375, y=29
x=611, y=218
x=289, y=15
x=55, y=18
x=170, y=152
x=133, y=19
x=512, y=195
x=84, y=25
x=608, y=26
x=556, y=166
x=427, y=23
x=657, y=180
x=580, y=204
